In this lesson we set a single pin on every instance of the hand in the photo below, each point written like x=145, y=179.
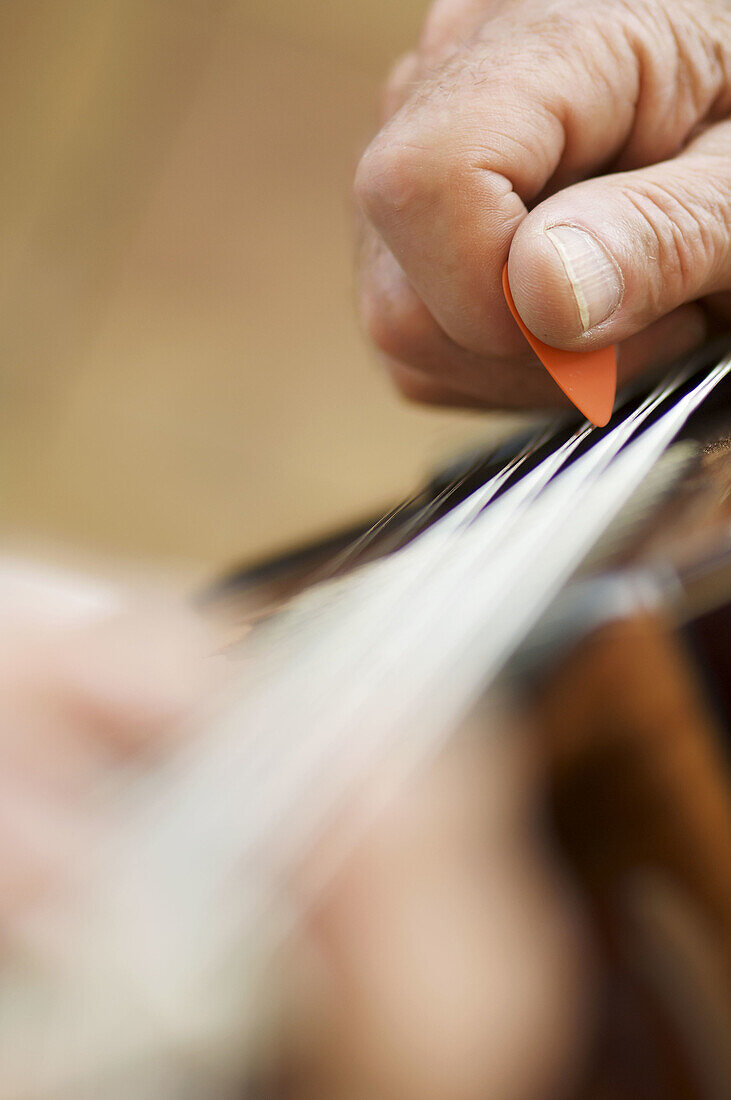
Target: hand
x=445, y=959
x=587, y=143
x=88, y=681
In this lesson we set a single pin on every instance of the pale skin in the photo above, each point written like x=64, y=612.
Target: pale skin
x=92, y=677
x=445, y=958
x=586, y=143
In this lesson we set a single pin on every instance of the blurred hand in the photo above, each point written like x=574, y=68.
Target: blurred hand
x=587, y=142
x=88, y=680
x=450, y=960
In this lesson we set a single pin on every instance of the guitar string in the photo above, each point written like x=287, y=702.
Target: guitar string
x=424, y=514
x=195, y=838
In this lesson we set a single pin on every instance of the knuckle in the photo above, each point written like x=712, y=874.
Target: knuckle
x=396, y=321
x=382, y=331
x=413, y=386
x=445, y=25
x=389, y=179
x=683, y=49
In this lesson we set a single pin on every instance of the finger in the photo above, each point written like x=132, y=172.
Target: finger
x=600, y=261
x=41, y=842
x=657, y=347
x=424, y=363
x=719, y=307
x=415, y=386
x=39, y=601
x=660, y=345
x=449, y=25
x=447, y=182
x=428, y=368
x=402, y=81
x=128, y=683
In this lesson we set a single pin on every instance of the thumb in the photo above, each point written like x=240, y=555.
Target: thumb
x=603, y=259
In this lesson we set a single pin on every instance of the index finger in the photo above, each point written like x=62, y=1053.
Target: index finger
x=448, y=181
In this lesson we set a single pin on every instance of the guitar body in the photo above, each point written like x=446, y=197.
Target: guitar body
x=627, y=694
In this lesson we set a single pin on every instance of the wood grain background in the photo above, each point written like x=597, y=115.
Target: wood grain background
x=182, y=377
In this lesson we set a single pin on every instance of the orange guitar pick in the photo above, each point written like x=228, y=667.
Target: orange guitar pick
x=588, y=378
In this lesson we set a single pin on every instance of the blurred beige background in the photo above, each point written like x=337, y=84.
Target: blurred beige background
x=183, y=379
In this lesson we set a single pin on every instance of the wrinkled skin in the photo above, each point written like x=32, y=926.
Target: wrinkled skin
x=513, y=123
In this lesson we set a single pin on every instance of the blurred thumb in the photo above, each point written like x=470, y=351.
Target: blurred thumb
x=603, y=259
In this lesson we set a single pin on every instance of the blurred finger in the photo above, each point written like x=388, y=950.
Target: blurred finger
x=404, y=330
x=449, y=25
x=402, y=80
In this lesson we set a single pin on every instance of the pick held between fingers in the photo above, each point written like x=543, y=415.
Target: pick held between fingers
x=538, y=97
x=600, y=261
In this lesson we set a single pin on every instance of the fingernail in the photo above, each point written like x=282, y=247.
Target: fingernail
x=593, y=275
